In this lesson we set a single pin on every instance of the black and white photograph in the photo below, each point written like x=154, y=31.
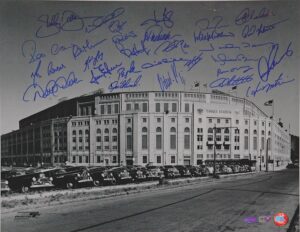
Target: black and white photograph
x=149, y=116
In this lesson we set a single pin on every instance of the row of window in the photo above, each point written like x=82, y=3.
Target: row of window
x=85, y=159
x=98, y=148
x=109, y=109
x=137, y=107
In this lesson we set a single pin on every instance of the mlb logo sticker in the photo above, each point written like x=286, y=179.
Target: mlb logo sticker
x=280, y=219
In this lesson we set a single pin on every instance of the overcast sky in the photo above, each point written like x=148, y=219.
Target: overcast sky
x=31, y=33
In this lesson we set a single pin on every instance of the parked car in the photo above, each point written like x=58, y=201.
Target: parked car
x=195, y=171
x=155, y=173
x=121, y=174
x=226, y=169
x=291, y=165
x=43, y=179
x=137, y=173
x=209, y=170
x=72, y=177
x=101, y=176
x=171, y=172
x=22, y=181
x=4, y=182
x=184, y=171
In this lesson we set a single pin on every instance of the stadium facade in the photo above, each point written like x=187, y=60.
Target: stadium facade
x=161, y=128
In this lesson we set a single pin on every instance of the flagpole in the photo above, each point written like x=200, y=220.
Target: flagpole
x=273, y=109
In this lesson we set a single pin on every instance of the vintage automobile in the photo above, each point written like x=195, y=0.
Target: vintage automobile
x=121, y=174
x=154, y=173
x=137, y=173
x=101, y=176
x=226, y=169
x=195, y=171
x=72, y=177
x=171, y=172
x=209, y=170
x=184, y=171
x=25, y=180
x=4, y=182
x=43, y=179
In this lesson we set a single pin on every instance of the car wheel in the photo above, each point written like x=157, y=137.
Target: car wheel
x=113, y=182
x=25, y=189
x=96, y=183
x=70, y=185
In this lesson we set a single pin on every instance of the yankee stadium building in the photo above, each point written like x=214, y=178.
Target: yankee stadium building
x=160, y=128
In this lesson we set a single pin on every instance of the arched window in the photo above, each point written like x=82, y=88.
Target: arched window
x=269, y=132
x=144, y=138
x=255, y=132
x=98, y=131
x=226, y=131
x=80, y=132
x=114, y=130
x=186, y=138
x=262, y=132
x=87, y=132
x=158, y=138
x=172, y=138
x=129, y=139
x=74, y=132
x=106, y=131
x=246, y=131
x=236, y=131
x=210, y=130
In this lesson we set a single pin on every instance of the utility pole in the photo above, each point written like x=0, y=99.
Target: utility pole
x=215, y=143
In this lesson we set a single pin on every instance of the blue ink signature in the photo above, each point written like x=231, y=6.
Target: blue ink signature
x=163, y=61
x=223, y=59
x=254, y=30
x=29, y=50
x=174, y=77
x=195, y=60
x=267, y=64
x=244, y=69
x=155, y=33
x=36, y=73
x=229, y=46
x=70, y=21
x=35, y=91
x=267, y=86
x=77, y=50
x=122, y=37
x=246, y=15
x=51, y=70
x=165, y=20
x=134, y=51
x=213, y=35
x=125, y=83
x=123, y=72
x=168, y=46
x=116, y=26
x=93, y=60
x=105, y=71
x=231, y=81
x=209, y=29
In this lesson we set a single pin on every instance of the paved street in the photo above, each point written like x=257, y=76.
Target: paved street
x=220, y=206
